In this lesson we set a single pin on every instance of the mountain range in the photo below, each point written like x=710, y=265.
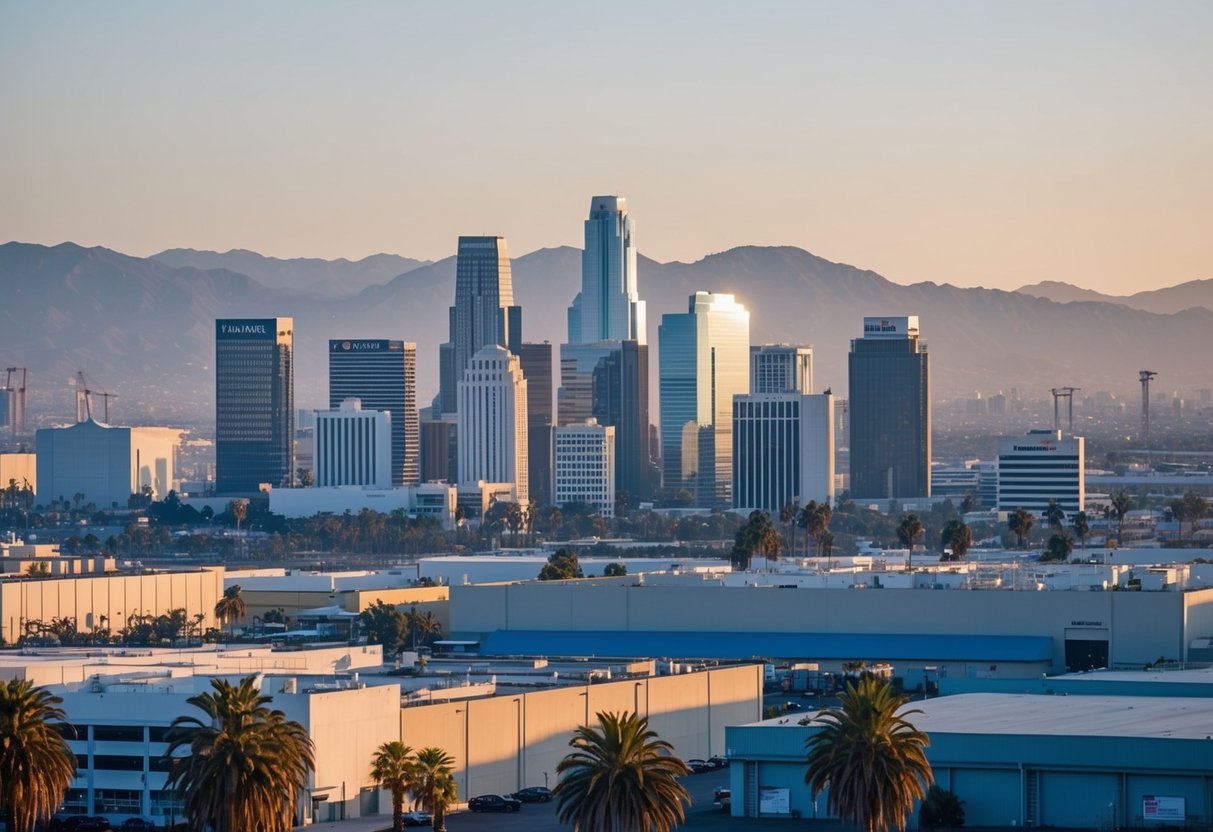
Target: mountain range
x=143, y=328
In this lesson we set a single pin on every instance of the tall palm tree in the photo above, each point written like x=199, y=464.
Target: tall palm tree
x=230, y=607
x=1082, y=528
x=36, y=765
x=620, y=778
x=394, y=769
x=246, y=763
x=870, y=758
x=1121, y=503
x=1020, y=523
x=909, y=530
x=435, y=784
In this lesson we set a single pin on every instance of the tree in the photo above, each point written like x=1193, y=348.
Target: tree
x=870, y=757
x=909, y=530
x=36, y=764
x=422, y=626
x=245, y=765
x=239, y=511
x=956, y=537
x=756, y=535
x=614, y=570
x=435, y=784
x=1058, y=548
x=230, y=607
x=394, y=769
x=1081, y=527
x=1020, y=522
x=562, y=565
x=1121, y=503
x=1054, y=515
x=787, y=518
x=815, y=518
x=941, y=809
x=620, y=776
x=386, y=625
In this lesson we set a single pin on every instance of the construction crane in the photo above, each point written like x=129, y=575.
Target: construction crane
x=16, y=400
x=84, y=400
x=1068, y=394
x=1145, y=376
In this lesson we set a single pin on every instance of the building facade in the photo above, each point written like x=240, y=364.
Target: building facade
x=254, y=404
x=353, y=446
x=536, y=361
x=383, y=376
x=1039, y=467
x=783, y=450
x=781, y=368
x=704, y=363
x=608, y=307
x=104, y=464
x=584, y=460
x=492, y=434
x=484, y=312
x=890, y=410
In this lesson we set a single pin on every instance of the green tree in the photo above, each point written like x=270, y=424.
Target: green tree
x=423, y=627
x=36, y=764
x=1054, y=515
x=435, y=784
x=941, y=809
x=394, y=769
x=1082, y=527
x=562, y=565
x=1058, y=548
x=246, y=763
x=958, y=538
x=1020, y=522
x=756, y=536
x=619, y=777
x=1121, y=503
x=230, y=607
x=815, y=518
x=614, y=570
x=909, y=530
x=870, y=757
x=386, y=625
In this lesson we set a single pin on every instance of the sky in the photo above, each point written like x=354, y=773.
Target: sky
x=978, y=144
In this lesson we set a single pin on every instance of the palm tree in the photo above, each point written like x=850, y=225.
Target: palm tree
x=246, y=763
x=394, y=769
x=435, y=784
x=1121, y=503
x=1020, y=522
x=1054, y=515
x=958, y=537
x=1082, y=528
x=36, y=765
x=620, y=777
x=870, y=757
x=230, y=607
x=909, y=530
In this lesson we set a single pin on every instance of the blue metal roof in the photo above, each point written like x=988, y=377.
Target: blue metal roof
x=734, y=645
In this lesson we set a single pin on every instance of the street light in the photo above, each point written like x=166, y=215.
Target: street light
x=467, y=763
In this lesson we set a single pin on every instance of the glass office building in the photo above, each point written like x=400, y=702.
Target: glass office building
x=383, y=375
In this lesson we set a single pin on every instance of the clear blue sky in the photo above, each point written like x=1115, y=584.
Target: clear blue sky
x=970, y=143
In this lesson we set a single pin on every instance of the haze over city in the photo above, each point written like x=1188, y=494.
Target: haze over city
x=977, y=145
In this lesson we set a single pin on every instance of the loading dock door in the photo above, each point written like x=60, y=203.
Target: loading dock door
x=1086, y=649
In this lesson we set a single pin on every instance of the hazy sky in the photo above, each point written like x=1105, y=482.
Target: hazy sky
x=969, y=143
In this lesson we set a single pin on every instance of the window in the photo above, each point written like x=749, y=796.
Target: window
x=75, y=802
x=117, y=762
x=156, y=733
x=117, y=733
x=122, y=801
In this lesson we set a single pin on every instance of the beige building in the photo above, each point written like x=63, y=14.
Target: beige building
x=20, y=470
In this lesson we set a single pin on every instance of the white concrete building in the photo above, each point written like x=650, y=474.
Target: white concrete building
x=431, y=499
x=584, y=462
x=353, y=446
x=492, y=431
x=781, y=368
x=105, y=464
x=783, y=450
x=1039, y=467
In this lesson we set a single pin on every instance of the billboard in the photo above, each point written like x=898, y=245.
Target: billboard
x=1163, y=809
x=772, y=801
x=248, y=329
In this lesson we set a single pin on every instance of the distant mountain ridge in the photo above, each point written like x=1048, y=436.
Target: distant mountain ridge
x=1191, y=295
x=144, y=329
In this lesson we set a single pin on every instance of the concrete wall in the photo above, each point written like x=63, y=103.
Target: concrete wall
x=511, y=741
x=425, y=599
x=1141, y=626
x=22, y=468
x=114, y=596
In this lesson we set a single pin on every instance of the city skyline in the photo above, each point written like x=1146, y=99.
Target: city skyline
x=994, y=146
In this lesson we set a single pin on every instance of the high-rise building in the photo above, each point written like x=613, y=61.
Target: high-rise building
x=1039, y=467
x=536, y=362
x=493, y=421
x=704, y=363
x=781, y=368
x=585, y=466
x=484, y=312
x=783, y=450
x=439, y=457
x=353, y=446
x=608, y=307
x=254, y=404
x=890, y=411
x=382, y=375
x=621, y=400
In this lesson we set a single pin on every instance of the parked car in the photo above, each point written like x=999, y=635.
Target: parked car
x=494, y=803
x=722, y=797
x=698, y=766
x=82, y=823
x=418, y=819
x=533, y=794
x=718, y=762
x=137, y=823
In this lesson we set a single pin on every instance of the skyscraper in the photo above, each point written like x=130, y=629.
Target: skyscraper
x=621, y=400
x=1039, y=467
x=783, y=450
x=781, y=368
x=493, y=421
x=890, y=411
x=383, y=376
x=704, y=363
x=254, y=404
x=536, y=362
x=354, y=446
x=585, y=466
x=608, y=307
x=484, y=312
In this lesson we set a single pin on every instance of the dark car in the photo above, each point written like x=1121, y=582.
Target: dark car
x=85, y=823
x=494, y=803
x=137, y=823
x=718, y=762
x=698, y=766
x=533, y=794
x=418, y=818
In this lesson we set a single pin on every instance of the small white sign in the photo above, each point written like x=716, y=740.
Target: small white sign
x=1163, y=809
x=774, y=801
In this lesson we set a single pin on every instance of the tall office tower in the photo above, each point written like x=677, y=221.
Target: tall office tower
x=354, y=446
x=608, y=307
x=254, y=404
x=890, y=404
x=585, y=466
x=383, y=376
x=704, y=363
x=1039, y=467
x=621, y=400
x=781, y=368
x=536, y=362
x=484, y=312
x=439, y=461
x=783, y=450
x=493, y=421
